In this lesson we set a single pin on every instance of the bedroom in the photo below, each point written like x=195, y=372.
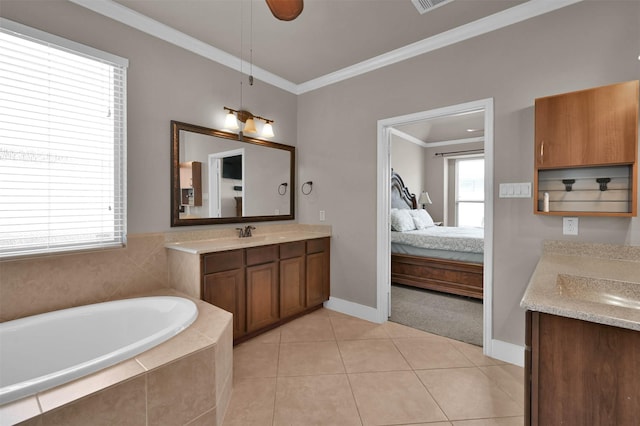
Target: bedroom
x=436, y=258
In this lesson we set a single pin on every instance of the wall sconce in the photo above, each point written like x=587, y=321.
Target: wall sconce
x=424, y=199
x=233, y=116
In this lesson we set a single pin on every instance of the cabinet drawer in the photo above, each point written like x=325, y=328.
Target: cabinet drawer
x=318, y=245
x=265, y=254
x=290, y=250
x=222, y=261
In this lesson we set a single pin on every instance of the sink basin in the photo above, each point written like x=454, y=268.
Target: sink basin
x=624, y=294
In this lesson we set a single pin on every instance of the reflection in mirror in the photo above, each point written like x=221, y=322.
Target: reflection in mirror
x=218, y=178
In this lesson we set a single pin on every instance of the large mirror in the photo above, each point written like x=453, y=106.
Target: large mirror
x=221, y=177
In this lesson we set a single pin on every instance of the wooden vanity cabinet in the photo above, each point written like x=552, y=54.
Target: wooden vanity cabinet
x=263, y=305
x=317, y=271
x=223, y=285
x=266, y=286
x=580, y=373
x=293, y=294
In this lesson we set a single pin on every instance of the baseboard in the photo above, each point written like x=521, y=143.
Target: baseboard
x=507, y=352
x=354, y=309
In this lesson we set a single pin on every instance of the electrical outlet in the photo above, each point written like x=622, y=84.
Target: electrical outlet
x=570, y=226
x=321, y=215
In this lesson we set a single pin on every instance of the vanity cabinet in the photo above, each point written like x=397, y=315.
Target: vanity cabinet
x=262, y=287
x=223, y=285
x=595, y=130
x=266, y=286
x=580, y=373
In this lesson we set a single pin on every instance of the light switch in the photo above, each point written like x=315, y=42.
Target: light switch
x=515, y=190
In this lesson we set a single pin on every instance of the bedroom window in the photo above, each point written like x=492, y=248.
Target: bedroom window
x=470, y=192
x=62, y=144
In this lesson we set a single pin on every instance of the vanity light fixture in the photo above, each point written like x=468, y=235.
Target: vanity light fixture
x=233, y=116
x=424, y=199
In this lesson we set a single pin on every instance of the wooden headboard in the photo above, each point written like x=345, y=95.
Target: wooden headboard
x=401, y=198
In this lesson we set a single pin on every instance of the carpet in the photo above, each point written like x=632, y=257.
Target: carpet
x=456, y=317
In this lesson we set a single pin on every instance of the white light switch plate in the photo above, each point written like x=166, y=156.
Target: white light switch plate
x=515, y=190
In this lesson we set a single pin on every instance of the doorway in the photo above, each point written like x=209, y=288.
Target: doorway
x=385, y=130
x=226, y=167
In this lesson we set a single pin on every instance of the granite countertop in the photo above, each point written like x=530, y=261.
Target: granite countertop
x=592, y=282
x=231, y=243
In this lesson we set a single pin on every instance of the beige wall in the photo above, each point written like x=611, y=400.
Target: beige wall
x=584, y=45
x=407, y=161
x=164, y=83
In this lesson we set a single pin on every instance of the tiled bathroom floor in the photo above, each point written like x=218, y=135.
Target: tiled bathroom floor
x=327, y=368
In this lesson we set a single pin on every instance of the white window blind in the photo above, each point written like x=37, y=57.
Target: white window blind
x=62, y=144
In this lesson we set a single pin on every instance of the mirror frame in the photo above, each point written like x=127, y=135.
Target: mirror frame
x=176, y=127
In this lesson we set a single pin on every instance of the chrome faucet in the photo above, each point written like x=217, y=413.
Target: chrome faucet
x=246, y=232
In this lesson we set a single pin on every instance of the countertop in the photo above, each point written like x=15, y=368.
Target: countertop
x=231, y=243
x=593, y=282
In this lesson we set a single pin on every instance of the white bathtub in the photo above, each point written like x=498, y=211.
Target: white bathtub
x=47, y=350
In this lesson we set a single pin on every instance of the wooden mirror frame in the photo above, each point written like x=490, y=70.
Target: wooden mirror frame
x=176, y=127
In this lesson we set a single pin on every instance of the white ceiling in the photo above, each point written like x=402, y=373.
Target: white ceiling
x=329, y=34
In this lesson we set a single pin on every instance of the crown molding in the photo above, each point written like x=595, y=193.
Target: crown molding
x=143, y=23
x=490, y=23
x=519, y=13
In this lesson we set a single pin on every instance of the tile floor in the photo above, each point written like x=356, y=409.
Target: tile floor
x=327, y=368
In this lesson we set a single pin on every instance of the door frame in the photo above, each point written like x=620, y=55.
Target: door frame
x=216, y=178
x=384, y=207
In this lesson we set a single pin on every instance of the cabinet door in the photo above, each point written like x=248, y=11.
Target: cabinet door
x=262, y=295
x=317, y=271
x=587, y=128
x=227, y=291
x=292, y=286
x=583, y=373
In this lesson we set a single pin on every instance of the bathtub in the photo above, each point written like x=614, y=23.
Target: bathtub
x=47, y=350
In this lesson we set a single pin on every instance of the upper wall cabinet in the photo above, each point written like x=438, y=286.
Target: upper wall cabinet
x=588, y=128
x=586, y=152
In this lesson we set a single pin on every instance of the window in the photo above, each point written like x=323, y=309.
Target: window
x=470, y=192
x=62, y=144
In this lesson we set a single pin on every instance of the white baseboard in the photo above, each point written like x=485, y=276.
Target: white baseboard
x=507, y=352
x=354, y=309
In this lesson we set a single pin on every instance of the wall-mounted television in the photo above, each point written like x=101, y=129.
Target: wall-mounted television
x=232, y=167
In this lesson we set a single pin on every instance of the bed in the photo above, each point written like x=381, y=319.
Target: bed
x=445, y=259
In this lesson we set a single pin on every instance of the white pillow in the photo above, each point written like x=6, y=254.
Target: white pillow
x=402, y=221
x=421, y=218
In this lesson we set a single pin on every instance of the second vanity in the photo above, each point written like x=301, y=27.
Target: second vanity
x=582, y=362
x=263, y=280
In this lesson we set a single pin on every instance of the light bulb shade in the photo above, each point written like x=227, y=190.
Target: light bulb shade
x=249, y=126
x=424, y=198
x=230, y=121
x=267, y=130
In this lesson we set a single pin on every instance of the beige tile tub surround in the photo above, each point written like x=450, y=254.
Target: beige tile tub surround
x=186, y=380
x=36, y=285
x=592, y=266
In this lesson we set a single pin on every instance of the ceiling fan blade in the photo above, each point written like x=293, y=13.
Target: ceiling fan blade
x=285, y=10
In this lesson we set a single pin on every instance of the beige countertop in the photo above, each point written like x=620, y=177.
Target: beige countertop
x=592, y=282
x=231, y=243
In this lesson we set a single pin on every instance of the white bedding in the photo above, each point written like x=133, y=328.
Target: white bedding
x=470, y=240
